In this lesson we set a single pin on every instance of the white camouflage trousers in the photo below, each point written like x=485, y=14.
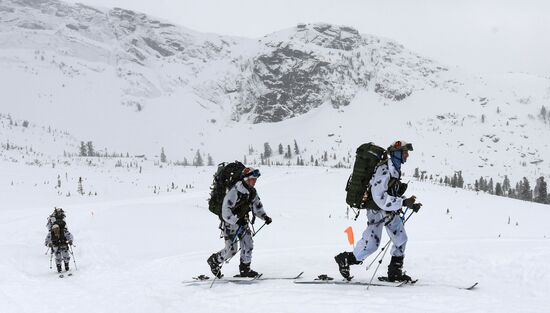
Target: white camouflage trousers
x=61, y=253
x=244, y=237
x=370, y=241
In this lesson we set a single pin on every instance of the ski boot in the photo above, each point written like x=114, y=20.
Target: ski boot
x=245, y=271
x=395, y=273
x=66, y=266
x=58, y=268
x=344, y=260
x=215, y=265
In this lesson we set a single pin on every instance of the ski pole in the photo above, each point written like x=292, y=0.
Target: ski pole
x=74, y=259
x=51, y=256
x=384, y=254
x=233, y=242
x=47, y=249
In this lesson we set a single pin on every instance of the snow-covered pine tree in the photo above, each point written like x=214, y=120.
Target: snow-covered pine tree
x=460, y=180
x=416, y=173
x=90, y=147
x=506, y=185
x=498, y=189
x=525, y=192
x=541, y=191
x=210, y=160
x=162, y=155
x=267, y=150
x=296, y=149
x=281, y=150
x=198, y=161
x=80, y=187
x=83, y=149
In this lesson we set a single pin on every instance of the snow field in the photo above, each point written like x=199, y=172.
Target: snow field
x=137, y=247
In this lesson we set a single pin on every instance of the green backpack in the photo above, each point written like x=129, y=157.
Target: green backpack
x=367, y=158
x=226, y=176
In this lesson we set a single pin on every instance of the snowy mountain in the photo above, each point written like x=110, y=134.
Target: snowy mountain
x=130, y=82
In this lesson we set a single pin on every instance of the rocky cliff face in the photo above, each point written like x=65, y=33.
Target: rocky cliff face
x=281, y=76
x=302, y=68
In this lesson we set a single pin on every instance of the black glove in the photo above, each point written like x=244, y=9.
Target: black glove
x=416, y=207
x=242, y=222
x=70, y=242
x=409, y=202
x=267, y=220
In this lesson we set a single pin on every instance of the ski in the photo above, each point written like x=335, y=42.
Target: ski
x=63, y=275
x=466, y=287
x=350, y=282
x=236, y=279
x=299, y=276
x=327, y=280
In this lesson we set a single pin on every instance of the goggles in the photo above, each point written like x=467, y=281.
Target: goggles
x=253, y=174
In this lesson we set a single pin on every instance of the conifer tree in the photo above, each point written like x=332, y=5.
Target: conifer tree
x=80, y=187
x=296, y=149
x=460, y=180
x=541, y=191
x=498, y=189
x=281, y=150
x=525, y=192
x=267, y=150
x=198, y=161
x=90, y=147
x=162, y=155
x=490, y=186
x=506, y=185
x=83, y=149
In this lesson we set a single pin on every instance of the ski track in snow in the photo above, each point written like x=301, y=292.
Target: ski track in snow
x=137, y=247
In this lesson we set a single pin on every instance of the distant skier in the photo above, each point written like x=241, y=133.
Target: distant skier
x=384, y=204
x=58, y=215
x=237, y=203
x=59, y=239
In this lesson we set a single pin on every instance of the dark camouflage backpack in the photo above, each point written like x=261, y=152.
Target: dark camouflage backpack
x=367, y=158
x=227, y=175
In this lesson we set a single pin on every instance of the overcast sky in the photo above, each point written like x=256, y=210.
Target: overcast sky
x=481, y=36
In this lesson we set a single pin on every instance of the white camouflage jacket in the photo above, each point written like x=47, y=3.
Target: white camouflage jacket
x=232, y=198
x=379, y=187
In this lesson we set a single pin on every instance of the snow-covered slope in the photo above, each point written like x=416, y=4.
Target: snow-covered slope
x=134, y=247
x=130, y=82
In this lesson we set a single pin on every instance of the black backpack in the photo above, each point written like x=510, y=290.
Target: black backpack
x=226, y=176
x=367, y=158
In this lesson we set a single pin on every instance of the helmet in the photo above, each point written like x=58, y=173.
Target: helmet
x=250, y=175
x=400, y=145
x=55, y=227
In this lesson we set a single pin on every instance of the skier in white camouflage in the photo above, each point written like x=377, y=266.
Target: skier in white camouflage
x=384, y=205
x=237, y=203
x=59, y=239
